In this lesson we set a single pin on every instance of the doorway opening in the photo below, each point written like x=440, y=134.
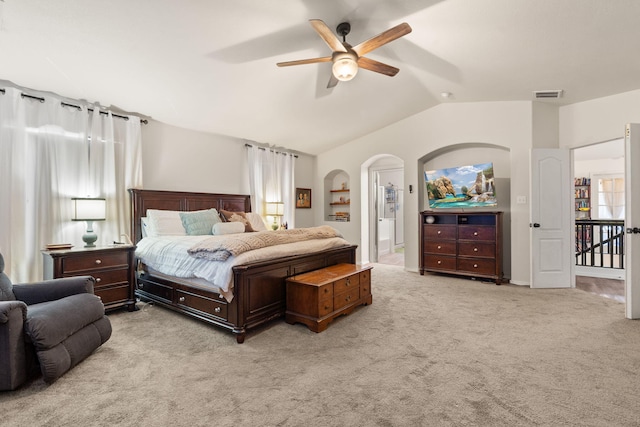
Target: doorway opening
x=386, y=207
x=599, y=218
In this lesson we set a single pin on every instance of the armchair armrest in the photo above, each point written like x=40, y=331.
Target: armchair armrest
x=7, y=307
x=49, y=290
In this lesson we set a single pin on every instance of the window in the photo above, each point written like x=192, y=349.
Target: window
x=610, y=197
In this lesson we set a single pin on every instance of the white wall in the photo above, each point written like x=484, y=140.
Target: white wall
x=179, y=159
x=598, y=120
x=505, y=124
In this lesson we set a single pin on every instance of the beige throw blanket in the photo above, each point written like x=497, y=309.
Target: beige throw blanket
x=219, y=248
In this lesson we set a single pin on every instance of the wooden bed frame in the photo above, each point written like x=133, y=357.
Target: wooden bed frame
x=259, y=287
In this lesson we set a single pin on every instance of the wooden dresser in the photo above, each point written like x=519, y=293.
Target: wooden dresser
x=111, y=266
x=468, y=243
x=317, y=297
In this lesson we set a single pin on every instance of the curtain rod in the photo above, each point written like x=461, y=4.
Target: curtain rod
x=65, y=104
x=273, y=151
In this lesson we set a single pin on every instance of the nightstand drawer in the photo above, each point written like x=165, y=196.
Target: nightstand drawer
x=110, y=295
x=110, y=277
x=90, y=261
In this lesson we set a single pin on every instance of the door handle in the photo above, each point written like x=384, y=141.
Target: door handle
x=534, y=225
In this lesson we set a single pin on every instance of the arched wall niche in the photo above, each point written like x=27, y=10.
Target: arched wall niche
x=470, y=153
x=337, y=198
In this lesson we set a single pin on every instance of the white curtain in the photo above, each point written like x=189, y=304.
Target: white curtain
x=49, y=154
x=271, y=179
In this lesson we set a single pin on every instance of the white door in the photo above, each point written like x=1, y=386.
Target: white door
x=632, y=220
x=551, y=219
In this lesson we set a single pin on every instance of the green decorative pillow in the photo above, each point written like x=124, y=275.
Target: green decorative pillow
x=197, y=223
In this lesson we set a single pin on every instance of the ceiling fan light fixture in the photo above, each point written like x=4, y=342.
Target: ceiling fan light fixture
x=345, y=66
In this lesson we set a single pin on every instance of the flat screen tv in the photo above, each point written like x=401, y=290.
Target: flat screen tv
x=470, y=186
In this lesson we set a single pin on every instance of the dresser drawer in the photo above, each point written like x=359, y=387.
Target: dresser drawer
x=440, y=247
x=436, y=262
x=346, y=298
x=91, y=262
x=477, y=249
x=483, y=266
x=438, y=231
x=346, y=284
x=477, y=232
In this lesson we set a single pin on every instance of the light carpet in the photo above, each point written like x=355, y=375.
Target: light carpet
x=430, y=351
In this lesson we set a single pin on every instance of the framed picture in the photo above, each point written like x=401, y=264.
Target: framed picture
x=303, y=198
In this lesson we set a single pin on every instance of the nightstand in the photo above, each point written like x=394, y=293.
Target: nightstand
x=111, y=266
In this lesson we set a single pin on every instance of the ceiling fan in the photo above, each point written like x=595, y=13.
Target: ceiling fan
x=347, y=59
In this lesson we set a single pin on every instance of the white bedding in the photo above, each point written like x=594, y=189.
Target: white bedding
x=168, y=255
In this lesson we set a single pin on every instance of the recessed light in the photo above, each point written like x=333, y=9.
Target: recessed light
x=446, y=94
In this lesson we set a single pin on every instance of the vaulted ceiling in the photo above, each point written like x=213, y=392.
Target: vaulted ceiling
x=210, y=65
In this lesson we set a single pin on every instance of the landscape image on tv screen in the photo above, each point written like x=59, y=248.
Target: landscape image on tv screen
x=461, y=187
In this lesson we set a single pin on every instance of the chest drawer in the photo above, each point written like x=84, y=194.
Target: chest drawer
x=90, y=262
x=440, y=247
x=346, y=298
x=479, y=249
x=477, y=232
x=346, y=284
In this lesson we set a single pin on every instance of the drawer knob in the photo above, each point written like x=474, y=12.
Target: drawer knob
x=216, y=310
x=348, y=298
x=326, y=290
x=98, y=261
x=141, y=285
x=181, y=299
x=475, y=233
x=475, y=249
x=98, y=280
x=439, y=247
x=347, y=283
x=475, y=265
x=439, y=231
x=326, y=307
x=439, y=262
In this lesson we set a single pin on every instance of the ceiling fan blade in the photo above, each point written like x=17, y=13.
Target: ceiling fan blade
x=333, y=81
x=382, y=39
x=304, y=61
x=378, y=67
x=327, y=35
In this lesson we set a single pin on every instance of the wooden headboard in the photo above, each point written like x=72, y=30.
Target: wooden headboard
x=141, y=200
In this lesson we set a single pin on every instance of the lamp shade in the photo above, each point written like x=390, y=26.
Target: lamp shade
x=275, y=208
x=345, y=66
x=89, y=209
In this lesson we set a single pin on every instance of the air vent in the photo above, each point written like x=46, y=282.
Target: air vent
x=548, y=94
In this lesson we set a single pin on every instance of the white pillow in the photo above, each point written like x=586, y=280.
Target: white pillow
x=164, y=223
x=227, y=228
x=257, y=222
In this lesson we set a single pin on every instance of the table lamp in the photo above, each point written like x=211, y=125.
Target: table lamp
x=89, y=210
x=275, y=209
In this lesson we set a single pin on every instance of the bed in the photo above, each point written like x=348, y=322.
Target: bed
x=258, y=286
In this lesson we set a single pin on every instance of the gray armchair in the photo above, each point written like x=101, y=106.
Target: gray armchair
x=48, y=326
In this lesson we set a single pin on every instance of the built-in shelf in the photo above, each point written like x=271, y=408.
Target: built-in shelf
x=336, y=184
